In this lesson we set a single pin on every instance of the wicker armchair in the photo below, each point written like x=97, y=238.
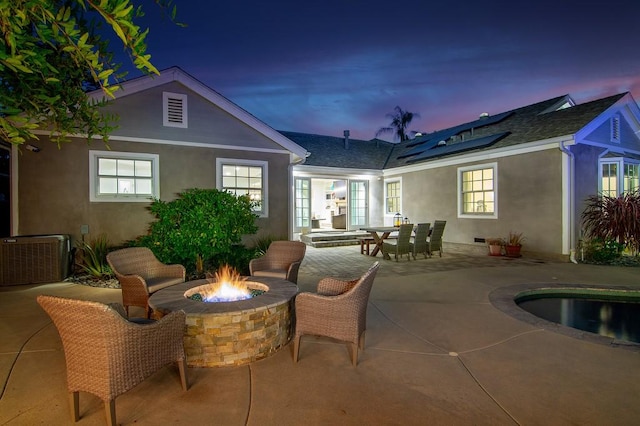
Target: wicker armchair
x=338, y=310
x=282, y=260
x=401, y=246
x=106, y=355
x=141, y=274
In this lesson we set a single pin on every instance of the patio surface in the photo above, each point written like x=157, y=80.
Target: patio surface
x=438, y=352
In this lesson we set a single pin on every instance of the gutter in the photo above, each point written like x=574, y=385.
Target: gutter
x=572, y=202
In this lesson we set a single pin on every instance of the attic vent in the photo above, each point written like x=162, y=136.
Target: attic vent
x=174, y=109
x=615, y=129
x=442, y=143
x=484, y=115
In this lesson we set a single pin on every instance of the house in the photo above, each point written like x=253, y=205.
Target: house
x=527, y=170
x=174, y=133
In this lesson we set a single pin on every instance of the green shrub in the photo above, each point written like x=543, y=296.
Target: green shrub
x=205, y=224
x=614, y=218
x=94, y=257
x=600, y=251
x=263, y=243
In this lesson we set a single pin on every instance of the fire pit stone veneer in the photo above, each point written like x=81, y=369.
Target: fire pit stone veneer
x=231, y=333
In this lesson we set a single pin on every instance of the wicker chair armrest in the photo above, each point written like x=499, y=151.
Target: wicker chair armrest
x=132, y=281
x=292, y=273
x=333, y=286
x=317, y=308
x=260, y=264
x=161, y=339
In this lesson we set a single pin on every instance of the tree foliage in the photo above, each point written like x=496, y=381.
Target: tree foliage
x=614, y=219
x=51, y=53
x=201, y=224
x=400, y=120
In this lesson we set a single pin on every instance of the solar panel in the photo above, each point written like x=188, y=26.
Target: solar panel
x=420, y=148
x=439, y=151
x=428, y=143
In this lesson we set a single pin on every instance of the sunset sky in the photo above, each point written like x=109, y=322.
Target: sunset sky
x=324, y=67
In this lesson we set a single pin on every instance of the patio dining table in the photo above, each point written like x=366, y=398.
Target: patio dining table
x=379, y=234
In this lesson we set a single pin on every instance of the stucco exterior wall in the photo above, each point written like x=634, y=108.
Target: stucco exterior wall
x=141, y=116
x=529, y=201
x=54, y=188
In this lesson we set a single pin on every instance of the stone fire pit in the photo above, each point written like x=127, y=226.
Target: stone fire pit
x=231, y=333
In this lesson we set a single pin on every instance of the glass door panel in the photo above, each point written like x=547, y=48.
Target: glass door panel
x=358, y=203
x=302, y=204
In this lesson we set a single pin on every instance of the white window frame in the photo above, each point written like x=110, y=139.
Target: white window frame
x=494, y=214
x=620, y=170
x=624, y=174
x=620, y=162
x=386, y=183
x=166, y=96
x=94, y=194
x=264, y=207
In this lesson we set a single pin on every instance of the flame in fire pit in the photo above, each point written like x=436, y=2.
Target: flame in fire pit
x=227, y=285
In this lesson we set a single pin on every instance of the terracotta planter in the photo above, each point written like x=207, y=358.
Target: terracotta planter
x=513, y=251
x=495, y=250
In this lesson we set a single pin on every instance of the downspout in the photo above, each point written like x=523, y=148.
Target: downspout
x=572, y=202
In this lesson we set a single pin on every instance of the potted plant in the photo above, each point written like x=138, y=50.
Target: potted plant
x=495, y=246
x=514, y=244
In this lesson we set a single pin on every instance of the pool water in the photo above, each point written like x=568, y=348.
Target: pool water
x=615, y=319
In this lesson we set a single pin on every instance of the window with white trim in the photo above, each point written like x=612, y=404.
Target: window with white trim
x=392, y=197
x=618, y=176
x=174, y=110
x=244, y=177
x=123, y=176
x=477, y=191
x=631, y=178
x=609, y=179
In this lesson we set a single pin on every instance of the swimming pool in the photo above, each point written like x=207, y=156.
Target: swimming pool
x=607, y=314
x=611, y=317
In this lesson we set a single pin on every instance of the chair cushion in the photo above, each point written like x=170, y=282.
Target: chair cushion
x=155, y=284
x=274, y=273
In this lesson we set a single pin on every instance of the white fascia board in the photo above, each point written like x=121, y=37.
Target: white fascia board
x=321, y=171
x=542, y=145
x=610, y=147
x=178, y=75
x=178, y=143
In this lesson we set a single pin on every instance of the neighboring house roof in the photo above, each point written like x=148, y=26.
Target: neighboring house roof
x=536, y=122
x=331, y=151
x=176, y=74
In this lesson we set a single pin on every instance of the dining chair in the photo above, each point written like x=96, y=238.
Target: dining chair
x=435, y=239
x=418, y=243
x=401, y=245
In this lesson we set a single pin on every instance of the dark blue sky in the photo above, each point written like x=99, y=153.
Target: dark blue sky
x=323, y=67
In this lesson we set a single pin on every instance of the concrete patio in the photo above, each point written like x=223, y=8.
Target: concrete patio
x=438, y=352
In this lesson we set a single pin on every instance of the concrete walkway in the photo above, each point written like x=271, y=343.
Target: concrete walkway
x=438, y=352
